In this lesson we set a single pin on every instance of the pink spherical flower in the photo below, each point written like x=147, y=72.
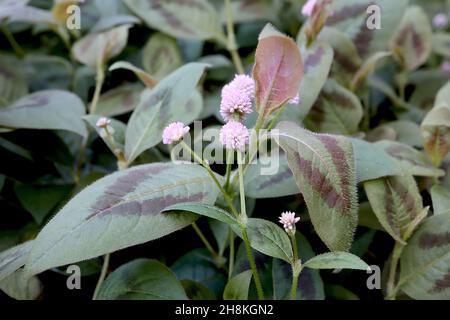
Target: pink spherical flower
x=103, y=122
x=288, y=220
x=308, y=8
x=445, y=67
x=237, y=98
x=440, y=21
x=174, y=132
x=234, y=135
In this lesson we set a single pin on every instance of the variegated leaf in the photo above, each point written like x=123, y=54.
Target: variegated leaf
x=436, y=127
x=173, y=99
x=193, y=19
x=97, y=48
x=337, y=110
x=14, y=259
x=278, y=70
x=13, y=84
x=161, y=56
x=146, y=78
x=20, y=287
x=351, y=17
x=118, y=211
x=425, y=261
x=120, y=100
x=324, y=169
x=396, y=202
x=245, y=11
x=317, y=62
x=280, y=184
x=412, y=42
x=49, y=109
x=413, y=161
x=18, y=11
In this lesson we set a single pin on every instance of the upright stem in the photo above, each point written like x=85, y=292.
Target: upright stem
x=391, y=287
x=295, y=269
x=102, y=276
x=231, y=259
x=205, y=241
x=12, y=41
x=231, y=45
x=213, y=176
x=243, y=222
x=100, y=79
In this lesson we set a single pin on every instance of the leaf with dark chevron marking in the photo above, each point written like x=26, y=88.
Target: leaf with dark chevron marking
x=351, y=17
x=412, y=42
x=396, y=202
x=324, y=169
x=425, y=261
x=121, y=210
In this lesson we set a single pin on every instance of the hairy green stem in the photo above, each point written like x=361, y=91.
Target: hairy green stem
x=243, y=223
x=100, y=79
x=102, y=276
x=391, y=287
x=295, y=272
x=231, y=259
x=231, y=43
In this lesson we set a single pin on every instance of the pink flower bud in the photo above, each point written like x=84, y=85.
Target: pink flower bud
x=237, y=98
x=308, y=8
x=288, y=220
x=440, y=21
x=103, y=122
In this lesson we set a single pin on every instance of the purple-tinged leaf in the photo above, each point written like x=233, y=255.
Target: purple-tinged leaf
x=278, y=70
x=425, y=261
x=121, y=210
x=13, y=259
x=396, y=202
x=324, y=169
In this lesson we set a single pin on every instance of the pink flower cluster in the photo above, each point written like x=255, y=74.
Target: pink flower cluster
x=234, y=135
x=174, y=132
x=237, y=98
x=288, y=220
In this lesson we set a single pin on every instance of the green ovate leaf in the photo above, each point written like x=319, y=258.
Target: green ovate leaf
x=20, y=287
x=372, y=162
x=317, y=63
x=441, y=199
x=441, y=44
x=436, y=127
x=324, y=169
x=396, y=202
x=142, y=279
x=238, y=286
x=425, y=260
x=97, y=48
x=120, y=210
x=336, y=260
x=161, y=56
x=13, y=84
x=278, y=70
x=49, y=109
x=195, y=19
x=197, y=291
x=40, y=200
x=268, y=238
x=412, y=161
x=337, y=110
x=412, y=42
x=204, y=210
x=173, y=99
x=146, y=78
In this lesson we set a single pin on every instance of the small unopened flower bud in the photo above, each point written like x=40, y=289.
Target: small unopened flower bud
x=308, y=8
x=295, y=100
x=288, y=220
x=237, y=98
x=440, y=21
x=445, y=67
x=174, y=132
x=103, y=122
x=235, y=136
